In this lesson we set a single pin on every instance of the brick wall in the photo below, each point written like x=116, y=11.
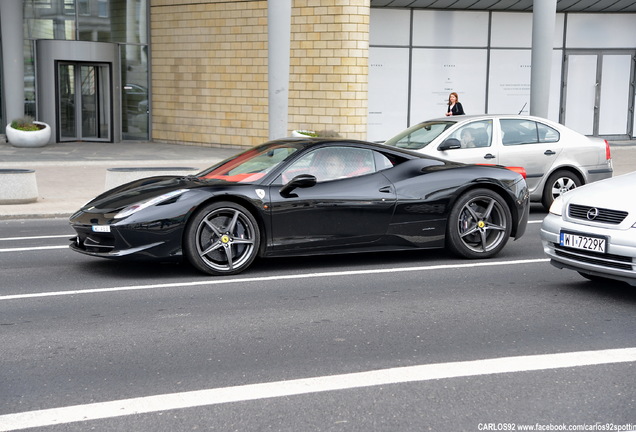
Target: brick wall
x=209, y=69
x=329, y=66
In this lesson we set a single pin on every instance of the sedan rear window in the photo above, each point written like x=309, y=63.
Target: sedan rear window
x=519, y=131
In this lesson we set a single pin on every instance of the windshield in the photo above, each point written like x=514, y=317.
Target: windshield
x=251, y=165
x=419, y=136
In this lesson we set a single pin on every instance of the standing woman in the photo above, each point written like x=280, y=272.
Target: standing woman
x=454, y=107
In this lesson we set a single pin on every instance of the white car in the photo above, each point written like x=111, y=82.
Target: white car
x=592, y=230
x=556, y=158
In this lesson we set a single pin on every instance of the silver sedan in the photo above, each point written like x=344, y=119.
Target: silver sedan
x=592, y=230
x=556, y=158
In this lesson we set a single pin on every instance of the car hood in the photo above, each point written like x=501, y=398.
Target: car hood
x=613, y=193
x=144, y=189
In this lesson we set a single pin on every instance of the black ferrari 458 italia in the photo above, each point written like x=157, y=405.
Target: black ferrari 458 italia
x=307, y=196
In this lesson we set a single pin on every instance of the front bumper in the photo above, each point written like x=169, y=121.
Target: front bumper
x=152, y=240
x=618, y=264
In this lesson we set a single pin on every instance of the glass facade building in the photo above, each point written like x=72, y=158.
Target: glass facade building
x=90, y=89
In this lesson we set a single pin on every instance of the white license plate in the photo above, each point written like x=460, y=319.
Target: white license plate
x=580, y=241
x=101, y=228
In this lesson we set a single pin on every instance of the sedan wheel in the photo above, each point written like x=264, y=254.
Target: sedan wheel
x=222, y=239
x=558, y=183
x=479, y=224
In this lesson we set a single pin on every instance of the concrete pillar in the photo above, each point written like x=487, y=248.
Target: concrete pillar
x=543, y=22
x=11, y=22
x=279, y=33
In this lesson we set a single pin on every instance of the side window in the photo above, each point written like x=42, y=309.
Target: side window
x=383, y=162
x=332, y=163
x=547, y=134
x=475, y=134
x=516, y=132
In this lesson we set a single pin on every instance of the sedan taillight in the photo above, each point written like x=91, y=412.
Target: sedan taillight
x=608, y=152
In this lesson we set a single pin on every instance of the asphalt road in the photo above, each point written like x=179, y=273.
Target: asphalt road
x=193, y=352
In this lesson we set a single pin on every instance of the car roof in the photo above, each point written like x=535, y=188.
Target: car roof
x=319, y=142
x=463, y=118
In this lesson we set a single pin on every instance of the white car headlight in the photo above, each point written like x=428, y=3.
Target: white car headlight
x=557, y=206
x=134, y=208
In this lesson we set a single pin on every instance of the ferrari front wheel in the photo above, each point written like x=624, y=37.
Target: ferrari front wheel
x=479, y=224
x=222, y=238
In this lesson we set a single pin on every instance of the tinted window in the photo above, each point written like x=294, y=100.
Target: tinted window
x=250, y=165
x=333, y=163
x=517, y=132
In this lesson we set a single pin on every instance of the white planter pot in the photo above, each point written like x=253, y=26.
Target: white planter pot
x=38, y=138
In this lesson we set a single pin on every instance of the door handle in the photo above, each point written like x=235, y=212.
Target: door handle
x=549, y=153
x=386, y=189
x=489, y=156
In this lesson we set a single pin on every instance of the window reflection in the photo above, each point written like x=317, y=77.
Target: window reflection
x=114, y=21
x=120, y=21
x=134, y=98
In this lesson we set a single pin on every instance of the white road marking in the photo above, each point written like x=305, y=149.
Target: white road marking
x=34, y=248
x=172, y=401
x=36, y=237
x=215, y=281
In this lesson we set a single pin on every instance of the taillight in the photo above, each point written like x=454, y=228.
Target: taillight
x=608, y=152
x=520, y=170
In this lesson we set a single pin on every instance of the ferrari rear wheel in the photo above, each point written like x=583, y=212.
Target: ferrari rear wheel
x=479, y=224
x=222, y=239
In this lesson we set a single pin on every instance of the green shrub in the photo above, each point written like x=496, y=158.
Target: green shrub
x=25, y=124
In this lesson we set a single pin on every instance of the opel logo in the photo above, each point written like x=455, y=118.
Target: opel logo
x=592, y=213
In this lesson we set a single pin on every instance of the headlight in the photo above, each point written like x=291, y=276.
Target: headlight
x=134, y=208
x=557, y=206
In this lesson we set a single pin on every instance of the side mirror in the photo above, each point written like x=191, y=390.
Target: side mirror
x=300, y=181
x=450, y=144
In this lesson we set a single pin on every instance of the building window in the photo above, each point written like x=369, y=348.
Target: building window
x=102, y=8
x=83, y=7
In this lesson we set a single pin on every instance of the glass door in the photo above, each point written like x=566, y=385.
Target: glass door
x=598, y=92
x=84, y=101
x=581, y=93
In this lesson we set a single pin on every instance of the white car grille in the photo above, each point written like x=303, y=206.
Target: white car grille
x=596, y=214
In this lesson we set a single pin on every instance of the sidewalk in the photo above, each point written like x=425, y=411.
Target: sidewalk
x=70, y=174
